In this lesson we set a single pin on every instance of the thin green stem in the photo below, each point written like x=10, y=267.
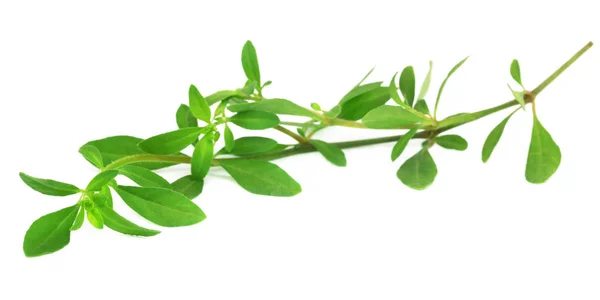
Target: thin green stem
x=291, y=134
x=181, y=159
x=561, y=69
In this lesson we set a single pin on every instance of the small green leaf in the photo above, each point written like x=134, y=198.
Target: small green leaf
x=360, y=90
x=426, y=82
x=390, y=117
x=315, y=106
x=357, y=107
x=106, y=195
x=393, y=89
x=407, y=85
x=229, y=141
x=276, y=106
x=50, y=233
x=437, y=100
x=301, y=132
x=519, y=96
x=118, y=223
x=261, y=177
x=170, y=142
x=95, y=217
x=101, y=180
x=144, y=177
x=117, y=147
x=544, y=154
x=333, y=112
x=250, y=62
x=249, y=88
x=402, y=143
x=202, y=157
x=185, y=118
x=331, y=152
x=221, y=96
x=269, y=82
x=452, y=141
x=188, y=186
x=198, y=105
x=79, y=219
x=161, y=206
x=252, y=145
x=220, y=110
x=48, y=186
x=492, y=139
x=515, y=71
x=422, y=107
x=419, y=171
x=93, y=155
x=255, y=120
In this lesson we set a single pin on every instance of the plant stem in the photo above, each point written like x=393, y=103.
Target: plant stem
x=182, y=159
x=291, y=134
x=562, y=68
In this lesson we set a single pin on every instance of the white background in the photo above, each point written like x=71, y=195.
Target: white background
x=73, y=71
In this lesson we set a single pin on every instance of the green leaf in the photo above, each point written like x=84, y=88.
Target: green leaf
x=356, y=108
x=402, y=143
x=249, y=88
x=393, y=89
x=407, y=85
x=49, y=186
x=437, y=100
x=103, y=198
x=301, y=132
x=250, y=62
x=492, y=139
x=390, y=117
x=255, y=120
x=544, y=154
x=331, y=152
x=315, y=106
x=161, y=206
x=79, y=219
x=144, y=177
x=185, y=118
x=50, y=233
x=229, y=141
x=93, y=155
x=198, y=105
x=519, y=96
x=261, y=177
x=276, y=106
x=118, y=223
x=359, y=90
x=171, y=142
x=452, y=141
x=220, y=96
x=202, y=157
x=117, y=147
x=188, y=186
x=422, y=107
x=101, y=180
x=333, y=112
x=252, y=145
x=426, y=82
x=95, y=217
x=419, y=171
x=515, y=71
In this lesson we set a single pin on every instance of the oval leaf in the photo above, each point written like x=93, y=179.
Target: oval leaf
x=50, y=233
x=144, y=177
x=421, y=106
x=49, y=186
x=452, y=141
x=95, y=218
x=79, y=219
x=515, y=71
x=188, y=186
x=407, y=85
x=276, y=106
x=198, y=105
x=93, y=155
x=492, y=139
x=390, y=117
x=393, y=88
x=357, y=107
x=250, y=62
x=161, y=206
x=261, y=177
x=220, y=96
x=116, y=147
x=402, y=143
x=101, y=180
x=185, y=118
x=255, y=120
x=332, y=153
x=202, y=157
x=117, y=223
x=544, y=154
x=425, y=86
x=359, y=90
x=229, y=141
x=252, y=145
x=419, y=171
x=170, y=142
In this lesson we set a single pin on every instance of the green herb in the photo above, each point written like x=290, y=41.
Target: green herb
x=246, y=159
